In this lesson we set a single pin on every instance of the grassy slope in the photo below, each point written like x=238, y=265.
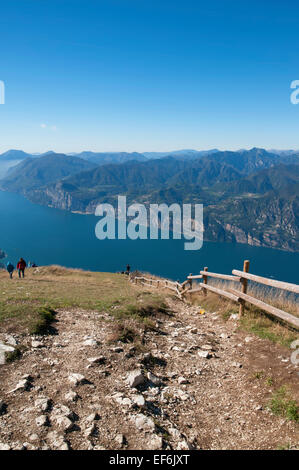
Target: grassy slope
x=254, y=320
x=22, y=300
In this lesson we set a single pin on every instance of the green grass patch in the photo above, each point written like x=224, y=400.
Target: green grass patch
x=15, y=355
x=287, y=446
x=258, y=375
x=269, y=381
x=149, y=308
x=43, y=321
x=282, y=404
x=253, y=321
x=256, y=322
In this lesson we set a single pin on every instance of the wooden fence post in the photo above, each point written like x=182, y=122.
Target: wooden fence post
x=244, y=285
x=189, y=296
x=205, y=280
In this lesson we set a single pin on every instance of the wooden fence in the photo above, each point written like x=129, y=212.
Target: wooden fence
x=186, y=289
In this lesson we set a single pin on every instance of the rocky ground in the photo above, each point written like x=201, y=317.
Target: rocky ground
x=197, y=383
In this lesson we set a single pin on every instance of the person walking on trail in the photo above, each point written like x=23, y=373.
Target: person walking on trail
x=128, y=269
x=21, y=266
x=10, y=269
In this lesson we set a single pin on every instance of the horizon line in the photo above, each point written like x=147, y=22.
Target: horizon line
x=223, y=149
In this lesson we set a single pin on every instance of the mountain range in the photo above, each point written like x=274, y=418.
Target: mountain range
x=34, y=173
x=249, y=196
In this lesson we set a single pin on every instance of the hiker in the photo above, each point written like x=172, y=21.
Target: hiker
x=10, y=269
x=21, y=266
x=128, y=269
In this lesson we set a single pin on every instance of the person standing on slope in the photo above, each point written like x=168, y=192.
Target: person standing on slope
x=21, y=266
x=10, y=269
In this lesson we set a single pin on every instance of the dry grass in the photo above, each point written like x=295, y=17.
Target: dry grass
x=23, y=301
x=254, y=319
x=125, y=332
x=133, y=320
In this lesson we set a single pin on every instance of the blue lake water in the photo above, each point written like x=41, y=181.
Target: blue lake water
x=49, y=236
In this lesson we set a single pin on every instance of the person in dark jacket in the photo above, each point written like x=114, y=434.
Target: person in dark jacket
x=21, y=266
x=128, y=269
x=10, y=269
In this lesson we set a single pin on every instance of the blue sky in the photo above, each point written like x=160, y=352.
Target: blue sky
x=110, y=75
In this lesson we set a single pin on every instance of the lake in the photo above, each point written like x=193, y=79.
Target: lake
x=49, y=236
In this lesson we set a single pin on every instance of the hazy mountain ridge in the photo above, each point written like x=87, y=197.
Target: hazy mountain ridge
x=13, y=157
x=32, y=173
x=103, y=158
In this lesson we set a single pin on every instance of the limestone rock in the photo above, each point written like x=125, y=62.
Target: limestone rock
x=234, y=316
x=90, y=430
x=92, y=417
x=153, y=378
x=11, y=340
x=97, y=360
x=120, y=439
x=155, y=443
x=64, y=423
x=182, y=395
x=57, y=441
x=62, y=410
x=182, y=380
x=42, y=421
x=224, y=336
x=135, y=378
x=90, y=342
x=3, y=350
x=204, y=354
x=207, y=347
x=37, y=344
x=139, y=401
x=76, y=379
x=42, y=403
x=174, y=432
x=144, y=422
x=71, y=396
x=117, y=349
x=121, y=399
x=184, y=445
x=22, y=386
x=27, y=377
x=4, y=446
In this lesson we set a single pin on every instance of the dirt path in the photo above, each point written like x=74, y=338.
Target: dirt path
x=191, y=401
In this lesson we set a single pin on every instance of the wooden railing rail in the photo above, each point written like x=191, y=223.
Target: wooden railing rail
x=268, y=282
x=225, y=277
x=242, y=277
